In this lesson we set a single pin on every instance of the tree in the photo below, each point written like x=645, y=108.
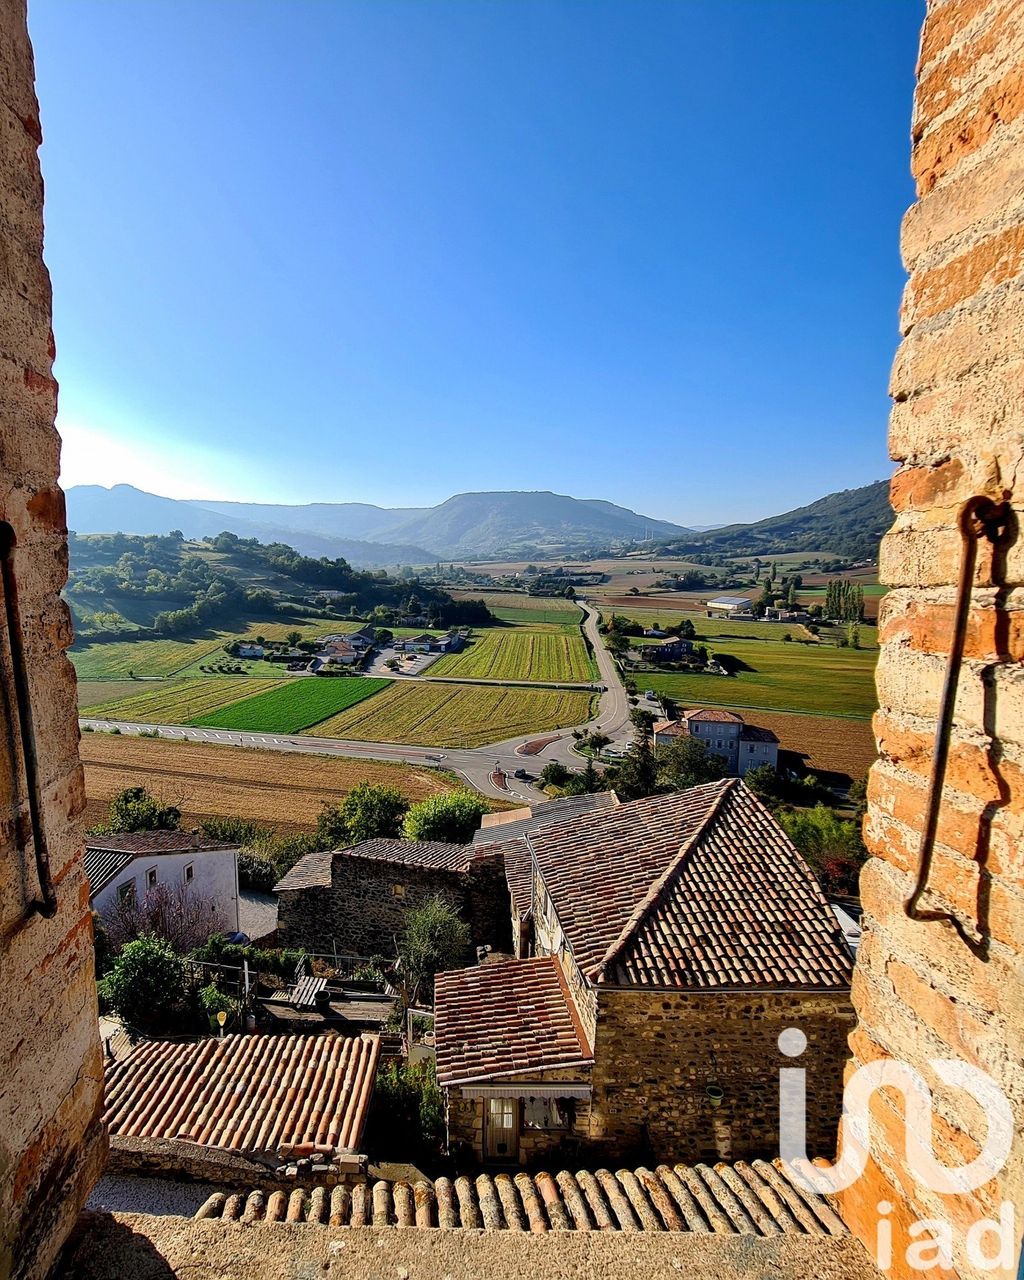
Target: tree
x=554, y=774
x=293, y=638
x=145, y=984
x=570, y=592
x=368, y=812
x=688, y=763
x=134, y=809
x=180, y=916
x=435, y=939
x=636, y=776
x=766, y=784
x=832, y=845
x=642, y=721
x=452, y=816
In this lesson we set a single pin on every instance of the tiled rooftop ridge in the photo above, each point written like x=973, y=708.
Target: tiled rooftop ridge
x=759, y=1198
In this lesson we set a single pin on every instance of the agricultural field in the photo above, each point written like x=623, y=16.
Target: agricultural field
x=171, y=656
x=93, y=692
x=179, y=701
x=557, y=655
x=819, y=680
x=823, y=744
x=281, y=789
x=449, y=715
x=292, y=706
x=711, y=628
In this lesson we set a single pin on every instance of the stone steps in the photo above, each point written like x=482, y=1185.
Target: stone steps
x=758, y=1199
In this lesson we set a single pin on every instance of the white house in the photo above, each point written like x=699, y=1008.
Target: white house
x=742, y=746
x=131, y=864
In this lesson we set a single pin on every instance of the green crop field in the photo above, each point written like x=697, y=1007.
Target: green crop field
x=293, y=706
x=820, y=680
x=443, y=715
x=178, y=701
x=527, y=615
x=554, y=655
x=179, y=655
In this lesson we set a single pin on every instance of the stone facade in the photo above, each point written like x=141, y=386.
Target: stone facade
x=656, y=1052
x=466, y=1119
x=51, y=1074
x=366, y=906
x=922, y=989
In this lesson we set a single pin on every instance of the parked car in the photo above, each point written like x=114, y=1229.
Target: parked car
x=520, y=773
x=650, y=695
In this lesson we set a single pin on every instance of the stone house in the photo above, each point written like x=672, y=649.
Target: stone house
x=742, y=746
x=668, y=943
x=668, y=650
x=355, y=901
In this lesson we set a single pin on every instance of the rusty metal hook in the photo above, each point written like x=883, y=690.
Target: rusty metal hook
x=980, y=517
x=46, y=903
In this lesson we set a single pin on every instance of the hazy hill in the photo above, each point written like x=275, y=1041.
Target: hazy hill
x=474, y=524
x=849, y=523
x=125, y=509
x=465, y=526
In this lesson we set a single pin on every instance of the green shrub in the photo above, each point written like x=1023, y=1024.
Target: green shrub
x=452, y=816
x=145, y=986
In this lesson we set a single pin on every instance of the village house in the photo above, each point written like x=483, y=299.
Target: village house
x=338, y=651
x=643, y=1012
x=363, y=639
x=251, y=651
x=742, y=746
x=671, y=649
x=355, y=901
x=127, y=866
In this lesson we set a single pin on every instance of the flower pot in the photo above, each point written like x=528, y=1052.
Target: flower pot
x=715, y=1094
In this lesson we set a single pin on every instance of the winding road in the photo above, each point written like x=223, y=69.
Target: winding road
x=475, y=764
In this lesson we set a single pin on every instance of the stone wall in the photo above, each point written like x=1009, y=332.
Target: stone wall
x=466, y=1120
x=51, y=1140
x=656, y=1053
x=922, y=989
x=362, y=914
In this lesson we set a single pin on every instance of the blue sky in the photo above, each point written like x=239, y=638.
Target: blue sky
x=391, y=250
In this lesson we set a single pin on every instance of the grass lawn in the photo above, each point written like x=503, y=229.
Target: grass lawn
x=291, y=707
x=819, y=680
x=709, y=628
x=442, y=715
x=178, y=701
x=513, y=654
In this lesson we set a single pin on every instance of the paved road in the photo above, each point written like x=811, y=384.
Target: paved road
x=476, y=764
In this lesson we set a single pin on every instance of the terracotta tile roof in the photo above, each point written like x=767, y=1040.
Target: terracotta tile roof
x=519, y=877
x=314, y=870
x=699, y=889
x=139, y=843
x=712, y=713
x=412, y=853
x=505, y=1019
x=545, y=815
x=755, y=1199
x=310, y=872
x=250, y=1093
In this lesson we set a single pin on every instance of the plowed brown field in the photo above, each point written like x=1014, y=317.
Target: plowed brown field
x=281, y=789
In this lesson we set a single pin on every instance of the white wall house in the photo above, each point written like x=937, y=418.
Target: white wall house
x=134, y=863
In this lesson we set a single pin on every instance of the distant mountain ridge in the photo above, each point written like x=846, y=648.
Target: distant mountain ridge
x=849, y=523
x=465, y=526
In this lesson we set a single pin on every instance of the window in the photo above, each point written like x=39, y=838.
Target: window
x=151, y=877
x=548, y=1113
x=501, y=1132
x=189, y=874
x=398, y=890
x=126, y=894
x=750, y=748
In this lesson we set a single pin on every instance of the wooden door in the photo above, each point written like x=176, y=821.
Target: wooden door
x=501, y=1129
